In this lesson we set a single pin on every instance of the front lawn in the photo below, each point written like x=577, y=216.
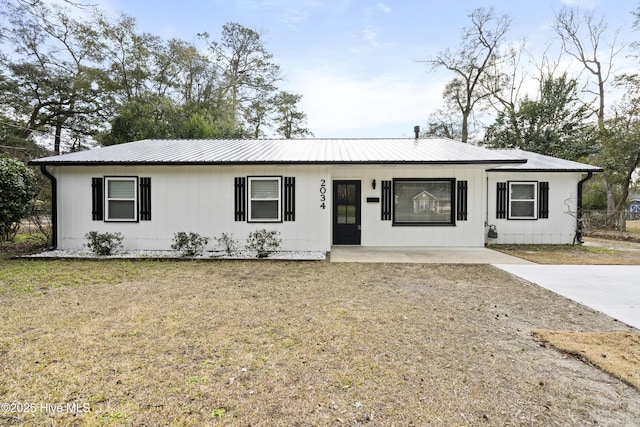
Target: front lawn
x=292, y=343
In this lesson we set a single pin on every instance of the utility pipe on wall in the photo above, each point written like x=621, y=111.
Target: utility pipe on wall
x=54, y=207
x=579, y=207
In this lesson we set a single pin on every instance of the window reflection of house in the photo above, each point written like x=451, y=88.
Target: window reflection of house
x=634, y=209
x=425, y=201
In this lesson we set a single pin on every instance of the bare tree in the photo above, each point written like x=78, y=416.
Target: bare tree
x=470, y=62
x=442, y=124
x=583, y=37
x=505, y=79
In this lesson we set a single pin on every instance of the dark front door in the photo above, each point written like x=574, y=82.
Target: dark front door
x=346, y=212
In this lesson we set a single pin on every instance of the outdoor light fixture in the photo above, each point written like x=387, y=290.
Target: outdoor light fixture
x=373, y=184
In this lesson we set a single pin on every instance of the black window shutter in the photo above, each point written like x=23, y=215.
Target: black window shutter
x=462, y=201
x=97, y=199
x=501, y=200
x=145, y=199
x=385, y=207
x=543, y=200
x=289, y=198
x=240, y=198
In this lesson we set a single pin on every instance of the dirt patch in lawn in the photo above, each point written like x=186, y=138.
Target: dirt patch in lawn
x=289, y=343
x=617, y=353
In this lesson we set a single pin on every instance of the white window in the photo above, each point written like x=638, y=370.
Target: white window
x=265, y=198
x=523, y=200
x=121, y=198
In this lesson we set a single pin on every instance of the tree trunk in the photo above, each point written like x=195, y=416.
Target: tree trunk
x=465, y=126
x=611, y=201
x=625, y=186
x=57, y=138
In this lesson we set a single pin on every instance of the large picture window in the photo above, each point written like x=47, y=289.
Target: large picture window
x=423, y=201
x=121, y=198
x=523, y=200
x=265, y=199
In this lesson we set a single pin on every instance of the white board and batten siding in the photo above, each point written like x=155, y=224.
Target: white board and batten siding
x=196, y=199
x=376, y=232
x=558, y=228
x=200, y=199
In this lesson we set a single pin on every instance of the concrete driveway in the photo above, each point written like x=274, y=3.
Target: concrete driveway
x=611, y=289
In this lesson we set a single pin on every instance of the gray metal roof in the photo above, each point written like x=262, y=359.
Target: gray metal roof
x=539, y=162
x=314, y=151
x=287, y=151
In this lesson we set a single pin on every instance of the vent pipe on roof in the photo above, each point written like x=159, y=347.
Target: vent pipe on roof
x=416, y=130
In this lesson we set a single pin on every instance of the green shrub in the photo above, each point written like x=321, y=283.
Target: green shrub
x=189, y=244
x=264, y=242
x=17, y=190
x=228, y=243
x=103, y=243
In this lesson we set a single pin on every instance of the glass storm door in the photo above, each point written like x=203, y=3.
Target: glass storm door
x=346, y=212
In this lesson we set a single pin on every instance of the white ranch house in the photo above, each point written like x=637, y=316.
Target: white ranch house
x=316, y=192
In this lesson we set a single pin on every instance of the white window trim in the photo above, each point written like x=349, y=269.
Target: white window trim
x=107, y=199
x=251, y=179
x=534, y=200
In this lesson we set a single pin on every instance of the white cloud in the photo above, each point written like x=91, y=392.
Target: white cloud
x=383, y=7
x=583, y=4
x=293, y=16
x=342, y=106
x=293, y=12
x=370, y=36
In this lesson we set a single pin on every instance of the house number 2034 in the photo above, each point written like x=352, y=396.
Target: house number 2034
x=323, y=193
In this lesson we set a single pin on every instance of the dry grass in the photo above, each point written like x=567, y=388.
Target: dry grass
x=633, y=227
x=617, y=353
x=285, y=343
x=608, y=248
x=631, y=233
x=594, y=252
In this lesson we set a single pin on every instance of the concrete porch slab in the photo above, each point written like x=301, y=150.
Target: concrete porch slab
x=434, y=255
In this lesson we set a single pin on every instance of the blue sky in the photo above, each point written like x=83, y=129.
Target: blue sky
x=356, y=62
